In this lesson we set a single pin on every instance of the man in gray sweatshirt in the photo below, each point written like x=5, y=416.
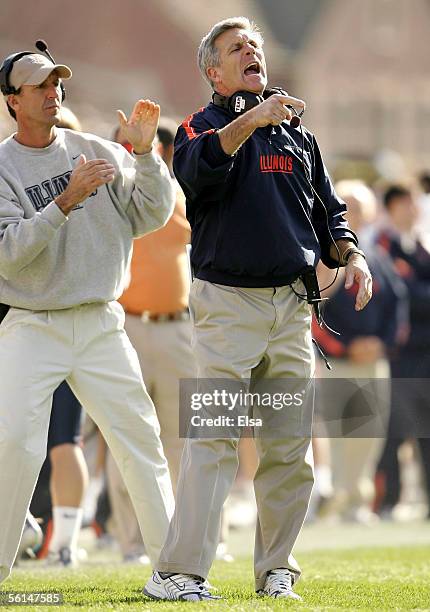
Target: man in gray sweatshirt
x=70, y=206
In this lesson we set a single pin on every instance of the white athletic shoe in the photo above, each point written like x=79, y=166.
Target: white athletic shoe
x=279, y=583
x=32, y=537
x=177, y=586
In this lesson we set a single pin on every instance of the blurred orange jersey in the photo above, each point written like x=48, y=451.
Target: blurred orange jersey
x=159, y=270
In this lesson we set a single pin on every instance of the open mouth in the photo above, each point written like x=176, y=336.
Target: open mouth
x=253, y=68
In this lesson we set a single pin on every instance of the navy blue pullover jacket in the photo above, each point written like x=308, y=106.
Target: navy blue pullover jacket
x=253, y=217
x=413, y=265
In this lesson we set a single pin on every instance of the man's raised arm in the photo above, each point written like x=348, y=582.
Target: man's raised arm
x=272, y=111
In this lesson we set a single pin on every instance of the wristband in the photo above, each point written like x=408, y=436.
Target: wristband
x=350, y=251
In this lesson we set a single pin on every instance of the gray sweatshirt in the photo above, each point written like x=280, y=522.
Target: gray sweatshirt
x=49, y=261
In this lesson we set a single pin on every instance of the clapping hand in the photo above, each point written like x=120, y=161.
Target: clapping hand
x=141, y=128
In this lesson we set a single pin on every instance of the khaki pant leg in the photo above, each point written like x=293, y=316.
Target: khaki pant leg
x=173, y=359
x=231, y=328
x=107, y=380
x=165, y=356
x=126, y=526
x=284, y=478
x=35, y=357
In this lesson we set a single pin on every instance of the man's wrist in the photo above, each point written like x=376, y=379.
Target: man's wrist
x=351, y=252
x=252, y=114
x=234, y=134
x=64, y=203
x=142, y=150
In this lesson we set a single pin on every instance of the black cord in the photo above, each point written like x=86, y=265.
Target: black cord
x=308, y=178
x=325, y=211
x=323, y=322
x=323, y=355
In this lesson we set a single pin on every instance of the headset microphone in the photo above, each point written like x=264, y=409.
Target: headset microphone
x=43, y=47
x=295, y=120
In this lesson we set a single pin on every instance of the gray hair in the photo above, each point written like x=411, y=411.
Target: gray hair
x=207, y=55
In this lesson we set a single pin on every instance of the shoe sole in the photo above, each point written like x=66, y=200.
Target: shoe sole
x=297, y=598
x=151, y=596
x=156, y=598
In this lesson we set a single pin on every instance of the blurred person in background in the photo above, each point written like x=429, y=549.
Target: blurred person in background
x=62, y=482
x=359, y=353
x=423, y=202
x=410, y=409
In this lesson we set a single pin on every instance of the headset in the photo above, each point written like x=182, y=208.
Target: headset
x=7, y=65
x=242, y=101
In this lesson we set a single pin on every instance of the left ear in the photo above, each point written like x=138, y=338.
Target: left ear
x=12, y=101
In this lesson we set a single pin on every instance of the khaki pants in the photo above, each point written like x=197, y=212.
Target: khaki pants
x=236, y=330
x=86, y=346
x=125, y=525
x=165, y=355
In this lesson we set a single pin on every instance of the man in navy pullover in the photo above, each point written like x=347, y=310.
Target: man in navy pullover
x=410, y=407
x=255, y=229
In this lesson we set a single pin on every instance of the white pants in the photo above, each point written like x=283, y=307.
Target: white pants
x=86, y=346
x=165, y=356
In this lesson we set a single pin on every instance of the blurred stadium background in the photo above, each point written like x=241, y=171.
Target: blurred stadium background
x=362, y=66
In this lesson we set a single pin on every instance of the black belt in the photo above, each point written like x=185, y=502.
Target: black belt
x=180, y=315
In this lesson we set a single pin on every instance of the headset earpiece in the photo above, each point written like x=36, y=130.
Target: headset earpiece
x=239, y=102
x=6, y=68
x=243, y=101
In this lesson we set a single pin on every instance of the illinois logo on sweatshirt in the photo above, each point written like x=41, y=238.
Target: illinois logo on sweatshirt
x=42, y=194
x=276, y=163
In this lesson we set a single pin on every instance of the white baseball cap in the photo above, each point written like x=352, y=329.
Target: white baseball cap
x=34, y=69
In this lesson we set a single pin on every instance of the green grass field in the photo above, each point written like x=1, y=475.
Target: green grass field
x=357, y=579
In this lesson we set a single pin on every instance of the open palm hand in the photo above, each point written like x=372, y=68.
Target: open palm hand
x=141, y=128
